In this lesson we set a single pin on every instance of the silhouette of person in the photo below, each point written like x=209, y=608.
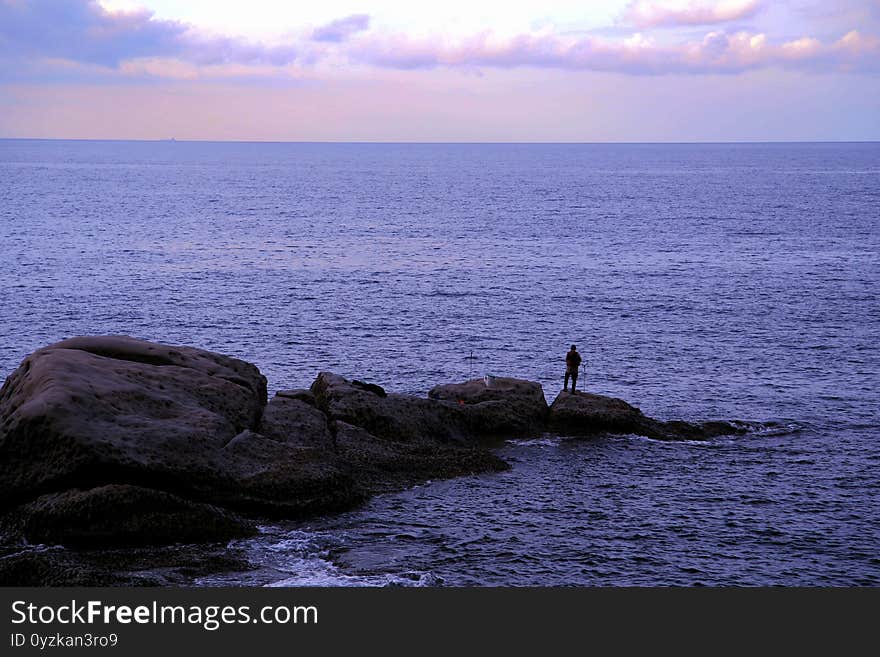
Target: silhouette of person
x=572, y=363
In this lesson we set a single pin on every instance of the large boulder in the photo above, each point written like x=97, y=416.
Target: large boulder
x=583, y=413
x=500, y=407
x=88, y=412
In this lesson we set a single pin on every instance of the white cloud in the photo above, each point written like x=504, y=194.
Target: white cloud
x=654, y=13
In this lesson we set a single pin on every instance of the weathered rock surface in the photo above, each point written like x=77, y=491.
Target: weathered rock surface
x=53, y=568
x=125, y=515
x=283, y=479
x=507, y=408
x=89, y=412
x=290, y=419
x=391, y=441
x=583, y=413
x=393, y=416
x=172, y=565
x=380, y=465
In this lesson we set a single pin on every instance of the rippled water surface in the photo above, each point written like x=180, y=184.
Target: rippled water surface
x=699, y=281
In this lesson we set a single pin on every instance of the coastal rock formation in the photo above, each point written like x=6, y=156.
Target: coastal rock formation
x=581, y=414
x=117, y=441
x=504, y=407
x=391, y=440
x=114, y=441
x=468, y=413
x=89, y=412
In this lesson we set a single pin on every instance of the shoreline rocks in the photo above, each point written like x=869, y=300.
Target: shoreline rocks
x=506, y=408
x=114, y=441
x=584, y=414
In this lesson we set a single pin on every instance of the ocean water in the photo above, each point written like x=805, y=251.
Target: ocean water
x=699, y=282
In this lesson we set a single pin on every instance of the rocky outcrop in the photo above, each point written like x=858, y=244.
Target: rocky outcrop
x=90, y=412
x=504, y=407
x=117, y=441
x=469, y=413
x=582, y=414
x=391, y=441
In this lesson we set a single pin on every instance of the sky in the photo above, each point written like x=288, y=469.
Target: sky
x=389, y=70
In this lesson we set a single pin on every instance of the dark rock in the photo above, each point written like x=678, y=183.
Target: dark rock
x=394, y=417
x=370, y=387
x=380, y=465
x=126, y=515
x=174, y=565
x=88, y=412
x=301, y=394
x=584, y=413
x=587, y=414
x=286, y=480
x=291, y=420
x=680, y=430
x=465, y=413
x=52, y=568
x=505, y=408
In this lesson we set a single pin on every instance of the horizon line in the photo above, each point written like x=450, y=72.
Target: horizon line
x=872, y=140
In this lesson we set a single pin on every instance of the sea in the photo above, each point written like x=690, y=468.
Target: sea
x=699, y=281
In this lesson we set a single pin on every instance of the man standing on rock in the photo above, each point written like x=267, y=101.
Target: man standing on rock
x=572, y=363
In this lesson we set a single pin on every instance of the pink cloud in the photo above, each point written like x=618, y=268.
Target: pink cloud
x=95, y=44
x=655, y=13
x=717, y=52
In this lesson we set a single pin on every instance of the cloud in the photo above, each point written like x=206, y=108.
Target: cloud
x=341, y=29
x=657, y=13
x=717, y=52
x=64, y=40
x=84, y=31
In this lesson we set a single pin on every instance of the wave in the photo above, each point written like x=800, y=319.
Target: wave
x=302, y=558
